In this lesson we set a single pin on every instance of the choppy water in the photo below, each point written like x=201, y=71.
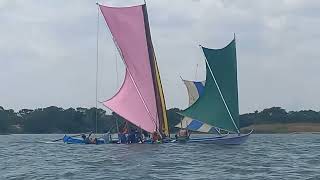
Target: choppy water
x=291, y=156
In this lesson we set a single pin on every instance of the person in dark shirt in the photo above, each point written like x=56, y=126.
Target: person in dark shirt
x=87, y=139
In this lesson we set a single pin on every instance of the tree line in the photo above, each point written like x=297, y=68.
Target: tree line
x=58, y=120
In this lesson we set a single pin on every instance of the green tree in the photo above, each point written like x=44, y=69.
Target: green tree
x=4, y=121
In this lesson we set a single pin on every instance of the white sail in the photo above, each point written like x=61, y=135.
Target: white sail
x=195, y=90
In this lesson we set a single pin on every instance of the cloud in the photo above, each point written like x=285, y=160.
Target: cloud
x=48, y=50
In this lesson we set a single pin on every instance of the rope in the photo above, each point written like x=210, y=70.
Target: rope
x=222, y=97
x=97, y=69
x=131, y=77
x=117, y=73
x=135, y=85
x=196, y=72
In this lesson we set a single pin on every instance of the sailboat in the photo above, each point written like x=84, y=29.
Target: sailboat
x=140, y=99
x=218, y=105
x=195, y=90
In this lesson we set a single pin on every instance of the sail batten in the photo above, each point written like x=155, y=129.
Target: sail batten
x=219, y=104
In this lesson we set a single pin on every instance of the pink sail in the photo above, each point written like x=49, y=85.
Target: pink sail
x=135, y=100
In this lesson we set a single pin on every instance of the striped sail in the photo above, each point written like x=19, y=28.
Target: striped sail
x=195, y=90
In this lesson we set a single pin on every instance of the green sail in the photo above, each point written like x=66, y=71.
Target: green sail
x=210, y=107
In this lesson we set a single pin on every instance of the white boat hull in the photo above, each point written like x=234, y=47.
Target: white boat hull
x=232, y=139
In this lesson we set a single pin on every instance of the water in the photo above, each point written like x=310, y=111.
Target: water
x=291, y=156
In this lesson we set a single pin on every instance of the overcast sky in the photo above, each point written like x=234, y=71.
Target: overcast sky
x=48, y=50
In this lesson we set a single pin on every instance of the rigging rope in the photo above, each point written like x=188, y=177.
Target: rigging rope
x=132, y=79
x=117, y=83
x=196, y=77
x=97, y=70
x=116, y=59
x=221, y=95
x=135, y=85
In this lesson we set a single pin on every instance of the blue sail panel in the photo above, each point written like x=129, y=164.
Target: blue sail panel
x=195, y=90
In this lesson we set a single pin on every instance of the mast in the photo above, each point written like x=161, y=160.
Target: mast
x=137, y=100
x=165, y=124
x=117, y=124
x=97, y=69
x=130, y=74
x=160, y=101
x=218, y=106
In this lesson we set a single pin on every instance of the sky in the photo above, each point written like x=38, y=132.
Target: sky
x=48, y=50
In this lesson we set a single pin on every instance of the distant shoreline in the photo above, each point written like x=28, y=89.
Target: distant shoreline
x=284, y=128
x=276, y=128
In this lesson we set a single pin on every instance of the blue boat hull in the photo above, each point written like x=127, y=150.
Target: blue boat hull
x=233, y=139
x=230, y=139
x=71, y=140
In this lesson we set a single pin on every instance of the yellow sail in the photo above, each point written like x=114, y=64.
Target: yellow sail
x=162, y=101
